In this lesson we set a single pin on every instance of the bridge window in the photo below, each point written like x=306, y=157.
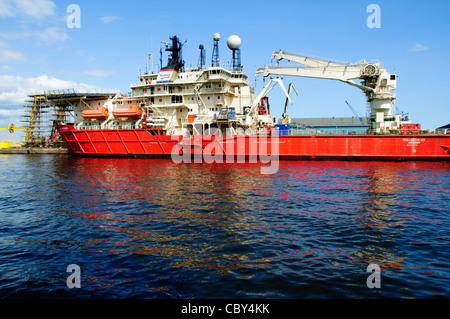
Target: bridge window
x=177, y=99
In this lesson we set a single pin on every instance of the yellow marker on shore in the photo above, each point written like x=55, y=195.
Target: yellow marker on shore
x=5, y=144
x=11, y=128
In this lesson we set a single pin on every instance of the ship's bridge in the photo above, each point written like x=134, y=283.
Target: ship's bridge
x=195, y=76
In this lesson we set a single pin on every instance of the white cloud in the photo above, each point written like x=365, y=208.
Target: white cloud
x=419, y=48
x=110, y=19
x=15, y=35
x=6, y=9
x=99, y=72
x=15, y=89
x=49, y=35
x=11, y=113
x=10, y=56
x=38, y=9
x=52, y=35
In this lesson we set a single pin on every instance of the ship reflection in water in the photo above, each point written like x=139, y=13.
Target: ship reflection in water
x=144, y=228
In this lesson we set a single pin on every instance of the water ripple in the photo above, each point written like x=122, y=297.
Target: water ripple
x=155, y=229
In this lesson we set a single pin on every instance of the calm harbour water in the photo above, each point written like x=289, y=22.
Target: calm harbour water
x=141, y=228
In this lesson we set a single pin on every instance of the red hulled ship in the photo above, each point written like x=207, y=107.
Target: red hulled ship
x=212, y=113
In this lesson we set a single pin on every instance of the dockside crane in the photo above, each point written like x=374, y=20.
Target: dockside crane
x=377, y=83
x=355, y=113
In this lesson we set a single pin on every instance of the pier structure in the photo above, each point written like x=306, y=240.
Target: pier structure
x=43, y=110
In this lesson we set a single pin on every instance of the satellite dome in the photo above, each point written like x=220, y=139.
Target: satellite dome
x=216, y=36
x=234, y=42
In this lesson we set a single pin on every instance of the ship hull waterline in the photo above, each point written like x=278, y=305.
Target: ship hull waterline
x=140, y=143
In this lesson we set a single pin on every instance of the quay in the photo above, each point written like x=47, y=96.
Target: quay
x=33, y=150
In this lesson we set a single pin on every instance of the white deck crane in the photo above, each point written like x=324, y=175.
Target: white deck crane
x=286, y=119
x=377, y=83
x=252, y=117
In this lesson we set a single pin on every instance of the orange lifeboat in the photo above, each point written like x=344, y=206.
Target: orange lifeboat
x=97, y=114
x=132, y=111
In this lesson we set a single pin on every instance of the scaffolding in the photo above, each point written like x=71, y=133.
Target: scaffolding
x=35, y=117
x=62, y=113
x=43, y=111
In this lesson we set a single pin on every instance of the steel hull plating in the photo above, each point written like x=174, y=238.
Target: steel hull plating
x=141, y=143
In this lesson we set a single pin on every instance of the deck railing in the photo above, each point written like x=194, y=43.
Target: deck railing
x=337, y=131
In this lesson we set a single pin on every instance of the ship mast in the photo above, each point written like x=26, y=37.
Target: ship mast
x=215, y=54
x=175, y=61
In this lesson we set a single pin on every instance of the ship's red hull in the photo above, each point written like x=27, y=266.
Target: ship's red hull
x=142, y=143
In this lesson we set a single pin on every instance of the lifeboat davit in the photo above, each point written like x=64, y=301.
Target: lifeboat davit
x=97, y=114
x=132, y=111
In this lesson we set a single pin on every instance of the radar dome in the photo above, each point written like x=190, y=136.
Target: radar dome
x=216, y=36
x=234, y=42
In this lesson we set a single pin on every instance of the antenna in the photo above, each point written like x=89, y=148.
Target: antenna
x=201, y=62
x=160, y=57
x=148, y=63
x=151, y=50
x=234, y=43
x=147, y=67
x=215, y=55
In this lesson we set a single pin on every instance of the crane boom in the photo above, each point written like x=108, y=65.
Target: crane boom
x=286, y=118
x=355, y=113
x=303, y=59
x=377, y=84
x=251, y=116
x=330, y=73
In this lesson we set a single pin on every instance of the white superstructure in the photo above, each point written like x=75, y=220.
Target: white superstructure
x=183, y=100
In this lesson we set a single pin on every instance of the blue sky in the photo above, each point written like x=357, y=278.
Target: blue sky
x=39, y=51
